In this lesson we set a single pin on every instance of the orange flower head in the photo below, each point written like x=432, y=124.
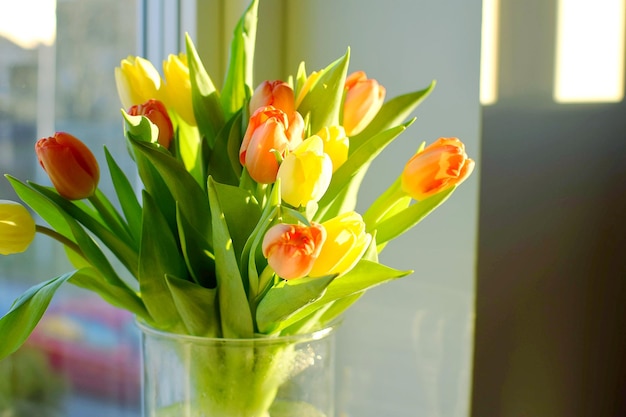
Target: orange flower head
x=269, y=130
x=276, y=93
x=69, y=163
x=438, y=167
x=157, y=113
x=291, y=249
x=364, y=98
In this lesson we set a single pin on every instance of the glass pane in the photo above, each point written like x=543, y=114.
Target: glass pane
x=83, y=358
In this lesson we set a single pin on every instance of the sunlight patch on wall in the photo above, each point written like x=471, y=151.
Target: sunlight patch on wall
x=590, y=51
x=489, y=52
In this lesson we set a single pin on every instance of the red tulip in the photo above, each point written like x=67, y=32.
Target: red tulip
x=71, y=166
x=156, y=112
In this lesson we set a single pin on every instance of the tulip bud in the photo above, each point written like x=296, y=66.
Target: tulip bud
x=269, y=131
x=308, y=85
x=438, y=167
x=305, y=173
x=137, y=81
x=345, y=244
x=178, y=87
x=364, y=98
x=291, y=249
x=156, y=112
x=277, y=94
x=71, y=166
x=336, y=144
x=17, y=228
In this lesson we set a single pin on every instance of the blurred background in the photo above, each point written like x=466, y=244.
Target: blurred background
x=518, y=305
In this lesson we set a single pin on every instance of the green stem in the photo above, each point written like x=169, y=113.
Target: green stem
x=60, y=238
x=379, y=208
x=112, y=219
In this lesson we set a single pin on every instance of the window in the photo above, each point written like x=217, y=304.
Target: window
x=56, y=74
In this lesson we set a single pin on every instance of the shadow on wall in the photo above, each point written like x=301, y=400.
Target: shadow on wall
x=551, y=291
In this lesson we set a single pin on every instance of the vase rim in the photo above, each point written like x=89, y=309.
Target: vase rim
x=260, y=339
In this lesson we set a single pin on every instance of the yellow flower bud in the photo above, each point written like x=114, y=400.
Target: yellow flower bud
x=17, y=228
x=137, y=81
x=178, y=87
x=345, y=244
x=336, y=144
x=305, y=173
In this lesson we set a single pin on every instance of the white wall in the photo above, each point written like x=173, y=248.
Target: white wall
x=405, y=349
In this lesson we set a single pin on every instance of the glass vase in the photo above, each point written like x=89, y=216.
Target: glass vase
x=287, y=376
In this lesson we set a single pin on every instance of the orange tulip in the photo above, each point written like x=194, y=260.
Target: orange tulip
x=157, y=113
x=364, y=98
x=269, y=130
x=346, y=242
x=71, y=166
x=438, y=167
x=291, y=249
x=277, y=94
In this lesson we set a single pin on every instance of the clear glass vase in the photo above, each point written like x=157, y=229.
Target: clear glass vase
x=187, y=376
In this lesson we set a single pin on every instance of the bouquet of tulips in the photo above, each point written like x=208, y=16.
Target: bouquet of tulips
x=246, y=225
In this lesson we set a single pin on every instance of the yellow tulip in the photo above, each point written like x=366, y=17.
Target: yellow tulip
x=336, y=144
x=346, y=242
x=178, y=87
x=137, y=81
x=364, y=98
x=438, y=167
x=305, y=173
x=17, y=228
x=291, y=249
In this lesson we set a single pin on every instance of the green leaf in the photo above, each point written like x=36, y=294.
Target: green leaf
x=190, y=149
x=73, y=214
x=190, y=198
x=206, y=101
x=196, y=305
x=234, y=309
x=363, y=276
x=126, y=197
x=224, y=165
x=238, y=83
x=18, y=323
x=395, y=225
x=197, y=252
x=341, y=193
x=324, y=101
x=48, y=211
x=159, y=256
x=140, y=128
x=241, y=211
x=286, y=298
x=122, y=297
x=393, y=112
